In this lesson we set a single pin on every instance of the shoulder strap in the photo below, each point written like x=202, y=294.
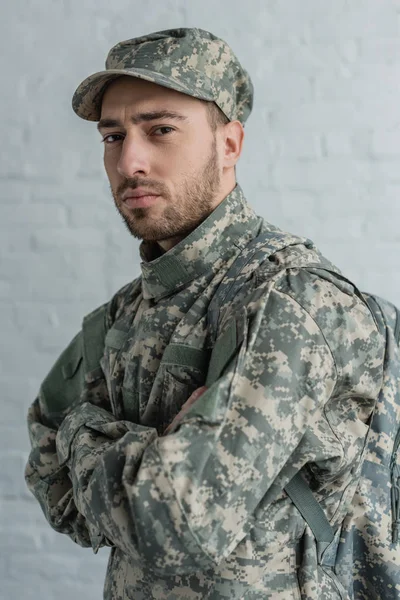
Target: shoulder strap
x=302, y=497
x=379, y=308
x=257, y=251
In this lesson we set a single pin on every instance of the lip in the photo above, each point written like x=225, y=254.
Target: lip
x=140, y=201
x=138, y=193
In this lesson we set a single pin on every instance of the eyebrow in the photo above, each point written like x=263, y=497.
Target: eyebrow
x=142, y=117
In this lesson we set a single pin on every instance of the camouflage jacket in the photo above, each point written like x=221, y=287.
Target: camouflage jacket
x=202, y=512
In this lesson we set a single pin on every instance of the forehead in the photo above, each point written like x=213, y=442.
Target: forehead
x=134, y=93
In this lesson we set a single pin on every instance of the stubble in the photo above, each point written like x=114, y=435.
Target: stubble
x=182, y=213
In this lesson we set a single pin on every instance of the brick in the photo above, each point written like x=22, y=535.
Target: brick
x=83, y=237
x=304, y=172
x=43, y=566
x=299, y=145
x=12, y=484
x=37, y=216
x=99, y=216
x=14, y=438
x=386, y=144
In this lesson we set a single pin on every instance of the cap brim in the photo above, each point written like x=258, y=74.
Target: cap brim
x=87, y=98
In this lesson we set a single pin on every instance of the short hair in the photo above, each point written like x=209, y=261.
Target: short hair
x=216, y=117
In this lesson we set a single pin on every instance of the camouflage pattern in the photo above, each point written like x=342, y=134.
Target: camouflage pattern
x=191, y=61
x=201, y=513
x=369, y=539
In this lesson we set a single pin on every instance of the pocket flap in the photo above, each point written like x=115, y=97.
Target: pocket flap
x=69, y=369
x=63, y=384
x=186, y=356
x=115, y=338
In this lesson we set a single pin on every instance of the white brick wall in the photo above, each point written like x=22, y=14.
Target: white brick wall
x=321, y=159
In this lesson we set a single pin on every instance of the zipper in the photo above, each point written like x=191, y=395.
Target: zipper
x=394, y=464
x=395, y=491
x=397, y=327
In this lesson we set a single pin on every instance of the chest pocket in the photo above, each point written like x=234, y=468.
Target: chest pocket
x=229, y=352
x=183, y=370
x=114, y=342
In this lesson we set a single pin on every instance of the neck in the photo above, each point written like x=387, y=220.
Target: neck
x=166, y=245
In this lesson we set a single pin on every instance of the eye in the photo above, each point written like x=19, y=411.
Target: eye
x=109, y=139
x=164, y=128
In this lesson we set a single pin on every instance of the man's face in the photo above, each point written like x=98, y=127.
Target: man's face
x=174, y=160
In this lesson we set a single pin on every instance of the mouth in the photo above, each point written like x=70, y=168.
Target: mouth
x=140, y=201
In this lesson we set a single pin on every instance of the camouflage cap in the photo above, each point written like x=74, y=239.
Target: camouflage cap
x=189, y=60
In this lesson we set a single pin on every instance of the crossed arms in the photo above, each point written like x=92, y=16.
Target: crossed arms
x=182, y=502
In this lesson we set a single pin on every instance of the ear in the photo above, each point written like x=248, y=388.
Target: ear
x=232, y=137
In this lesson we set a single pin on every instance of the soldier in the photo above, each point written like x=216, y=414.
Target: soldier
x=171, y=425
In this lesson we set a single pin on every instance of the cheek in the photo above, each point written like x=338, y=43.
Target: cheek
x=196, y=155
x=185, y=160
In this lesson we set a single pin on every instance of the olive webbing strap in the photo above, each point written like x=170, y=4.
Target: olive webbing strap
x=310, y=509
x=272, y=243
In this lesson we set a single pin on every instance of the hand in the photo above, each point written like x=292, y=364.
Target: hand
x=185, y=407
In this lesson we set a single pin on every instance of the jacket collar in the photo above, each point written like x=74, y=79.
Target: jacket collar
x=229, y=228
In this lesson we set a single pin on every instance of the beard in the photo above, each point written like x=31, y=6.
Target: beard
x=183, y=213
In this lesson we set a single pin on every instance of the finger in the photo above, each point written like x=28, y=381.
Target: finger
x=185, y=407
x=195, y=396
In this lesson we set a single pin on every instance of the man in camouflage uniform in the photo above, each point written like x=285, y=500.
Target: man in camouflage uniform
x=191, y=500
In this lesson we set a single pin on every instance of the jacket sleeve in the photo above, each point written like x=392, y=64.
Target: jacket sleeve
x=182, y=502
x=63, y=389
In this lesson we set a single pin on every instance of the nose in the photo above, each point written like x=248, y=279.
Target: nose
x=134, y=158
